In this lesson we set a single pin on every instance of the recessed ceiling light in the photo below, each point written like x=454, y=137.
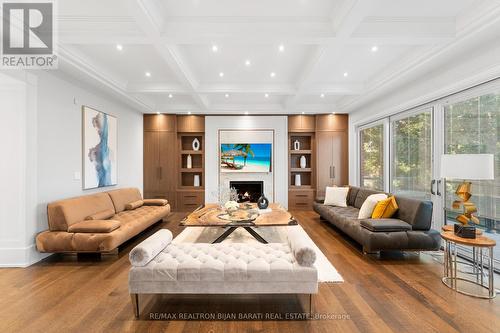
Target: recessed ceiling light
x=148, y=74
x=170, y=95
x=322, y=95
x=226, y=95
x=246, y=112
x=266, y=95
x=215, y=48
x=221, y=74
x=189, y=112
x=346, y=74
x=281, y=48
x=247, y=63
x=119, y=47
x=272, y=74
x=374, y=48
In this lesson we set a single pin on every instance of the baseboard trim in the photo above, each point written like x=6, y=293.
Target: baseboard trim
x=21, y=256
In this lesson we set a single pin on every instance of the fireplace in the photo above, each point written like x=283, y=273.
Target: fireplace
x=248, y=191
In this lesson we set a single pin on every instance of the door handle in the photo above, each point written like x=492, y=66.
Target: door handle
x=437, y=187
x=333, y=171
x=432, y=186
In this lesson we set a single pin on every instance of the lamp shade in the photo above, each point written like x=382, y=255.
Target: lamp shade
x=467, y=166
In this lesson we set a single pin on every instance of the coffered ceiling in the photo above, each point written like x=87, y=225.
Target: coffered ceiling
x=260, y=56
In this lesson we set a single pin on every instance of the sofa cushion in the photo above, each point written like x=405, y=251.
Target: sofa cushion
x=351, y=196
x=368, y=206
x=418, y=213
x=103, y=215
x=361, y=196
x=385, y=208
x=336, y=196
x=385, y=225
x=134, y=205
x=94, y=226
x=63, y=213
x=123, y=196
x=155, y=202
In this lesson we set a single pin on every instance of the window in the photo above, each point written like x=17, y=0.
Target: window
x=411, y=155
x=472, y=127
x=372, y=157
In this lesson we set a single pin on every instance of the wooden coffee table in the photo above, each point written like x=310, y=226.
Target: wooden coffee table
x=211, y=215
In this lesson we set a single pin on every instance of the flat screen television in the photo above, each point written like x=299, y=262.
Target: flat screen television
x=245, y=157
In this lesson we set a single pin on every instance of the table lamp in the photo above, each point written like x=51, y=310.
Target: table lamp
x=466, y=167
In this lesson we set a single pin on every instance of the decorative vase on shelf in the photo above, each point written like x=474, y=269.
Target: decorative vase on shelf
x=196, y=181
x=296, y=145
x=196, y=144
x=297, y=180
x=302, y=162
x=189, y=162
x=263, y=202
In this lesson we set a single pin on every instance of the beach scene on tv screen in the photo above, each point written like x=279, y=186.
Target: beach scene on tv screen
x=245, y=157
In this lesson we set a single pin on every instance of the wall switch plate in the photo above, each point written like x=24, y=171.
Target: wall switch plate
x=77, y=175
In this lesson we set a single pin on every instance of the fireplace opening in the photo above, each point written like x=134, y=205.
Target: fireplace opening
x=248, y=191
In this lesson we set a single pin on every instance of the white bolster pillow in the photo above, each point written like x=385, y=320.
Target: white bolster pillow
x=150, y=247
x=302, y=247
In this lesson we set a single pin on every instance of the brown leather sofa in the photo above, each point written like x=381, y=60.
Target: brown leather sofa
x=98, y=222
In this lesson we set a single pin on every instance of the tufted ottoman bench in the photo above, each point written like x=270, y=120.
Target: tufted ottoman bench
x=162, y=267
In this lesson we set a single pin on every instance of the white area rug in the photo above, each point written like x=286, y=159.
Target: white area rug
x=326, y=271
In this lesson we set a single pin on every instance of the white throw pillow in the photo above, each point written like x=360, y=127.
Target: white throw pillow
x=366, y=210
x=336, y=196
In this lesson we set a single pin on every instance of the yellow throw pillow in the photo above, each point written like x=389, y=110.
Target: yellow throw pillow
x=385, y=208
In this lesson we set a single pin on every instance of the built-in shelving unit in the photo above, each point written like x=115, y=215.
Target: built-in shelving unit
x=301, y=129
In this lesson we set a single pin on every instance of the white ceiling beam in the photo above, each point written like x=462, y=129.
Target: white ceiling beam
x=345, y=26
x=159, y=88
x=147, y=17
x=281, y=89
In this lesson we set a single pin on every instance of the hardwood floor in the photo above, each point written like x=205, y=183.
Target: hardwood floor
x=396, y=292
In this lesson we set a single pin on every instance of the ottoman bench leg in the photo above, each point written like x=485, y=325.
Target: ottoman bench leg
x=135, y=304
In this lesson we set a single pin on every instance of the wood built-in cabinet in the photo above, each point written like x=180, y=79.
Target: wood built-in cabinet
x=332, y=137
x=323, y=141
x=167, y=144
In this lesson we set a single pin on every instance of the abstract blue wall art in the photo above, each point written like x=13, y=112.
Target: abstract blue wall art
x=99, y=149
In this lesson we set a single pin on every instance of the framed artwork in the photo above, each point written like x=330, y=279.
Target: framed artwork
x=99, y=149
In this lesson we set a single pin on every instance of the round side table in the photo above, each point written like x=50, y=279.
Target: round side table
x=478, y=244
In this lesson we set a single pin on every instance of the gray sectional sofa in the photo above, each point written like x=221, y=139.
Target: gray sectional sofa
x=408, y=229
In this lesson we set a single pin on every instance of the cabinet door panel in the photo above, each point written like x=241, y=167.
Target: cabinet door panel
x=151, y=162
x=324, y=153
x=340, y=158
x=168, y=159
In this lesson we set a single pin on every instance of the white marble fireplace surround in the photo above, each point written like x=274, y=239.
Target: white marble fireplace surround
x=275, y=182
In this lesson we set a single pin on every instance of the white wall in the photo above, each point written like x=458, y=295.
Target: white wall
x=52, y=153
x=277, y=123
x=454, y=70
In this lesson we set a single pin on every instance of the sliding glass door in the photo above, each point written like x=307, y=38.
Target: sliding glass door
x=472, y=126
x=411, y=154
x=371, y=156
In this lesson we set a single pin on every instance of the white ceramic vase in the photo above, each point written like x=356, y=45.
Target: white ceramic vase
x=296, y=145
x=189, y=162
x=196, y=181
x=297, y=180
x=196, y=144
x=302, y=162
